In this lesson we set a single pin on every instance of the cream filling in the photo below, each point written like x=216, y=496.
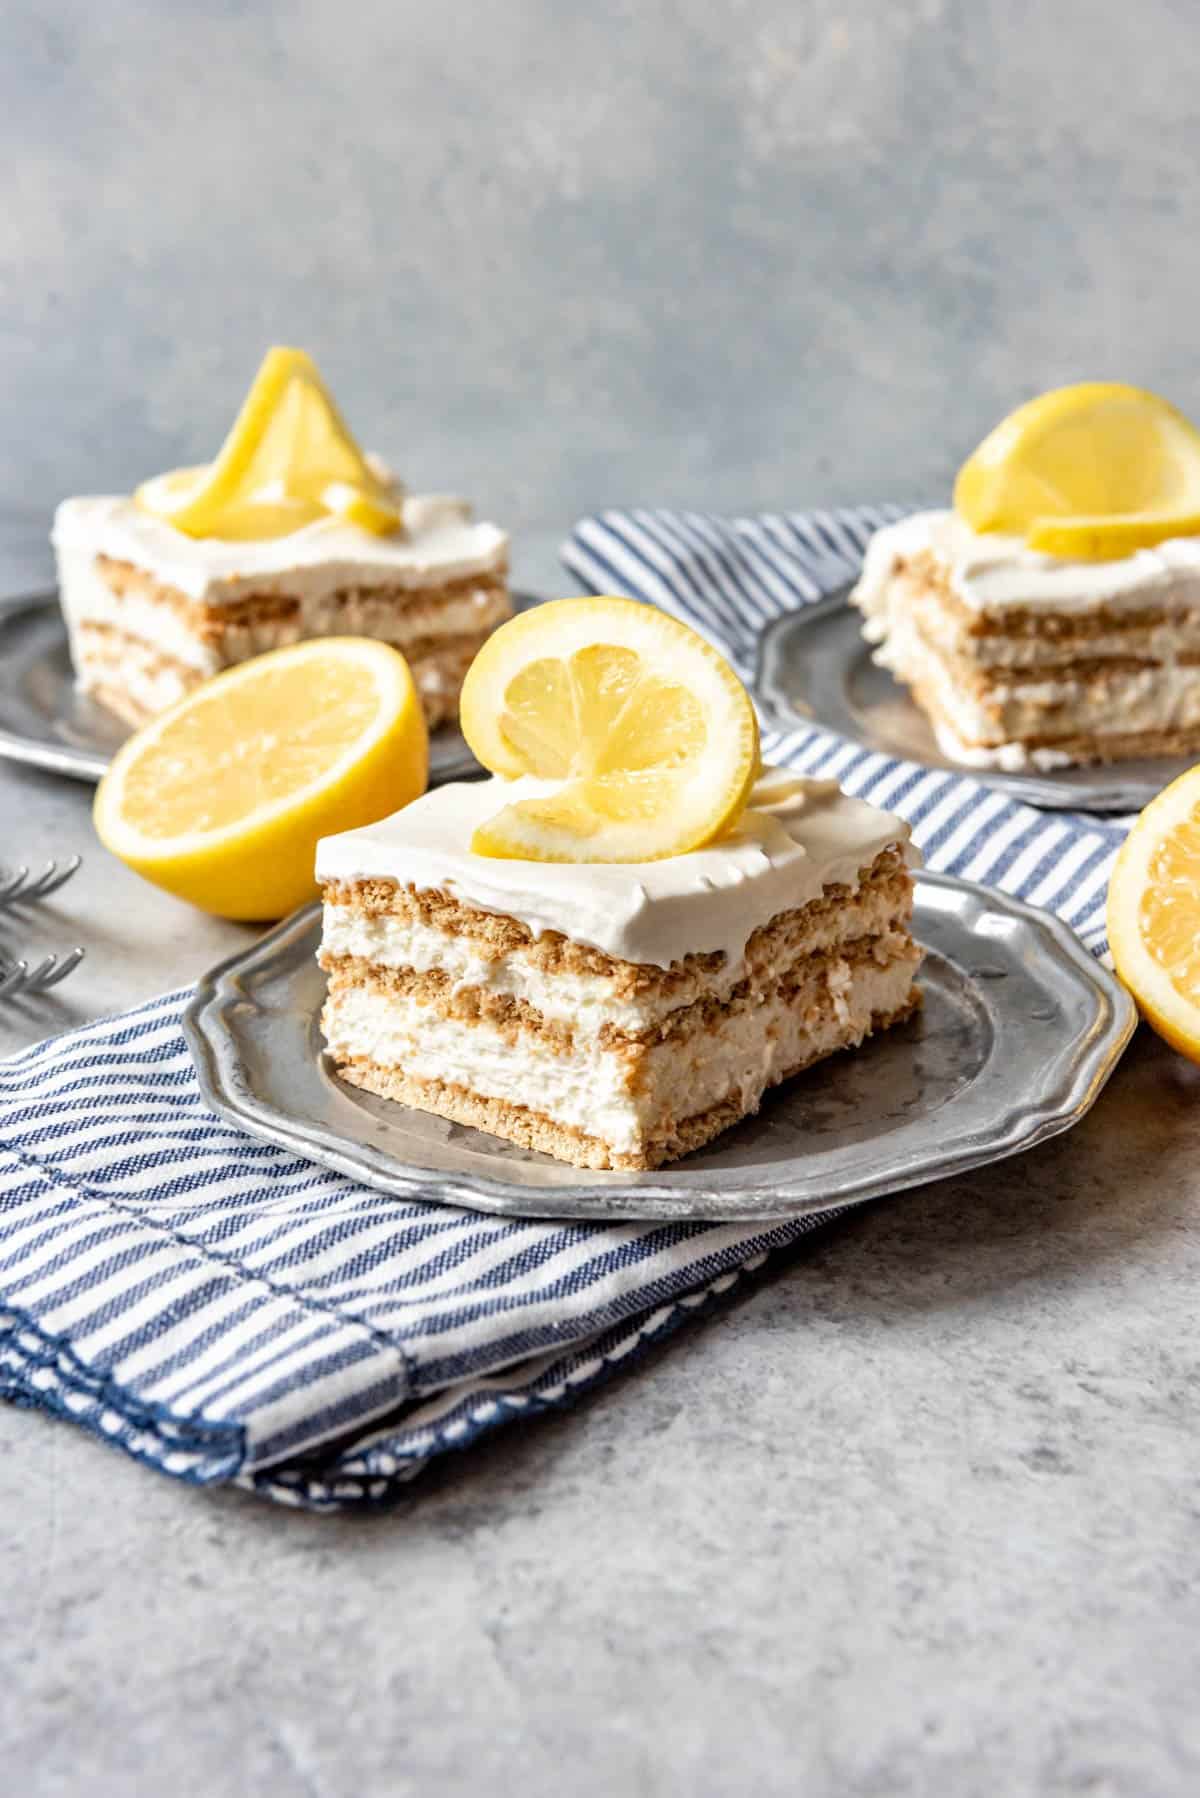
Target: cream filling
x=995, y=572
x=590, y=1089
x=441, y=542
x=587, y=1001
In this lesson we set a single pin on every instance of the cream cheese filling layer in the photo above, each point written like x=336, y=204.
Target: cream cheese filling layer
x=598, y=1091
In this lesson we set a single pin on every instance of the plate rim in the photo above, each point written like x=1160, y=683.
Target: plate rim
x=1048, y=791
x=38, y=752
x=1029, y=1119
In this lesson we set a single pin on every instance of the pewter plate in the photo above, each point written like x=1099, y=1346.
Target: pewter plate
x=1019, y=1032
x=815, y=668
x=47, y=723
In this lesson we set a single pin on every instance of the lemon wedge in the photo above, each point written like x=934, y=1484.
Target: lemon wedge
x=645, y=736
x=222, y=799
x=289, y=460
x=1154, y=913
x=1091, y=473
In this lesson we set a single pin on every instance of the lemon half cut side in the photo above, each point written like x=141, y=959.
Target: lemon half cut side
x=1153, y=913
x=223, y=799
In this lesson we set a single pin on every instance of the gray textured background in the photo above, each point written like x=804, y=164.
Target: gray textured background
x=561, y=253
x=917, y=1516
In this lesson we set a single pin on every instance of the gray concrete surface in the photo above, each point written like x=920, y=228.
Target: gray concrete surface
x=918, y=1515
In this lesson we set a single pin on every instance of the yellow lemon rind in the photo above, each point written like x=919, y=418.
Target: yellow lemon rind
x=509, y=836
x=1058, y=471
x=1108, y=539
x=1158, y=999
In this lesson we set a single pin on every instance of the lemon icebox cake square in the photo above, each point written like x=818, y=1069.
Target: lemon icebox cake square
x=151, y=612
x=291, y=532
x=1052, y=618
x=613, y=1015
x=1022, y=659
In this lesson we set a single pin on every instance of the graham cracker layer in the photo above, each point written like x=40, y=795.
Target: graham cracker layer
x=1102, y=685
x=533, y=1130
x=496, y=935
x=440, y=672
x=210, y=624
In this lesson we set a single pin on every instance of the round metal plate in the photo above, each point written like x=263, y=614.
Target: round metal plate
x=46, y=722
x=1020, y=1030
x=814, y=667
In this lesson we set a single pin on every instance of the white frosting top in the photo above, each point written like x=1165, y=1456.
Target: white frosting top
x=992, y=572
x=440, y=542
x=797, y=837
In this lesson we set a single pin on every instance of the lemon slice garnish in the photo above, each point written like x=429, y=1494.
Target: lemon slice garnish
x=289, y=460
x=222, y=799
x=1091, y=472
x=1154, y=913
x=646, y=736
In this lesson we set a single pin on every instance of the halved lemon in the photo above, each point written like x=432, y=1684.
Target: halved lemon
x=1154, y=913
x=645, y=735
x=289, y=460
x=222, y=799
x=1090, y=472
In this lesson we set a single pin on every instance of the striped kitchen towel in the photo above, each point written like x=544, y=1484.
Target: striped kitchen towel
x=732, y=576
x=229, y=1313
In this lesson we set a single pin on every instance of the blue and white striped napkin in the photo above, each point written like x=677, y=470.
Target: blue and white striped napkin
x=229, y=1313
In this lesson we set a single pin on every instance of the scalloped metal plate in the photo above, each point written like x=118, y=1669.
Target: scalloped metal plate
x=814, y=667
x=1019, y=1032
x=47, y=723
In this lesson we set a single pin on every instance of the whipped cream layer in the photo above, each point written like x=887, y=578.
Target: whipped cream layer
x=796, y=837
x=993, y=572
x=441, y=542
